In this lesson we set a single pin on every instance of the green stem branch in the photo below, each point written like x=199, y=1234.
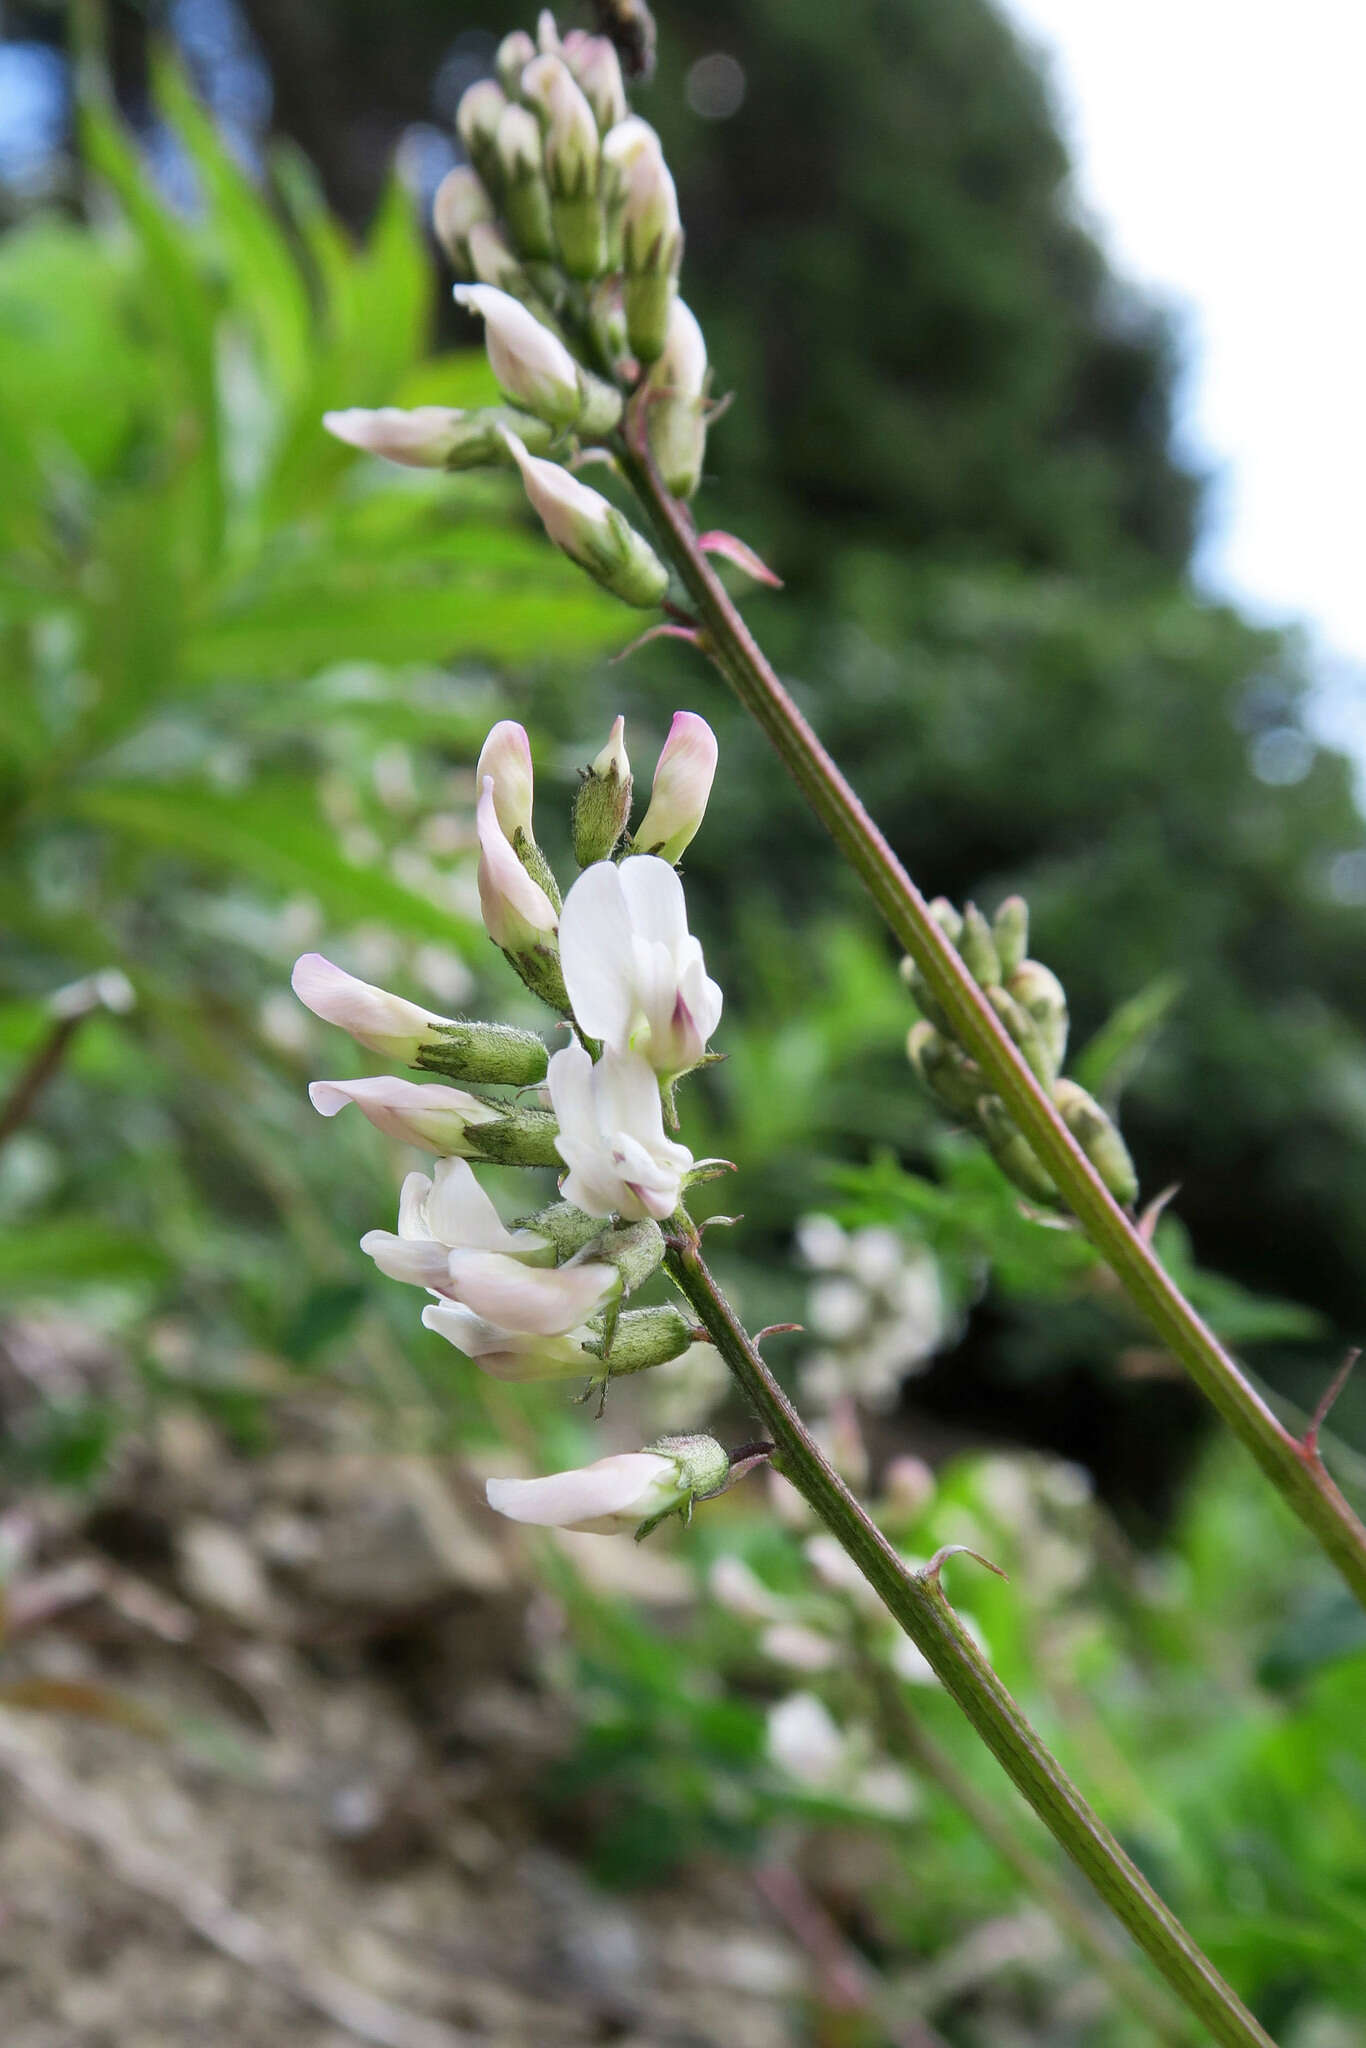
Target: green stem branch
x=917, y=1603
x=1294, y=1467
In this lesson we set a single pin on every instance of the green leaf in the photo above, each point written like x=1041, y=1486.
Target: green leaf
x=269, y=833
x=264, y=281
x=1108, y=1062
x=52, y=1257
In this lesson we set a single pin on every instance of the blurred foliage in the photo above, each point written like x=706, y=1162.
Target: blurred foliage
x=247, y=674
x=225, y=640
x=1202, y=1672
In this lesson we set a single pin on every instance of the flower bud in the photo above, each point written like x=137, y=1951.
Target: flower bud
x=383, y=1023
x=602, y=803
x=1014, y=1154
x=515, y=52
x=424, y=1113
x=977, y=948
x=631, y=1487
x=1099, y=1139
x=651, y=243
x=438, y=436
x=1010, y=930
x=525, y=193
x=571, y=165
x=592, y=532
x=460, y=201
x=597, y=68
x=518, y=915
x=951, y=1077
x=682, y=784
x=947, y=918
x=676, y=417
x=1037, y=989
x=505, y=759
x=1024, y=1031
x=533, y=367
x=547, y=34
x=476, y=120
x=494, y=261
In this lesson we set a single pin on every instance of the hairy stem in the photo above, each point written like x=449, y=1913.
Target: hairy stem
x=916, y=1601
x=905, y=1736
x=1294, y=1467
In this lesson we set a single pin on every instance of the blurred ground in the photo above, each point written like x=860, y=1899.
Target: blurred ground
x=342, y=1794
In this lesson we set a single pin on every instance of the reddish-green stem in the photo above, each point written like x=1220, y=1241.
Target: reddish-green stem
x=1295, y=1468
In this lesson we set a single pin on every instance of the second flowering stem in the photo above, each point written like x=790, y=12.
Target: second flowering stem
x=1294, y=1468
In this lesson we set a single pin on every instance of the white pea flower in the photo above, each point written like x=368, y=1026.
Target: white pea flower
x=612, y=1493
x=612, y=1136
x=799, y=1647
x=684, y=775
x=634, y=973
x=512, y=1354
x=738, y=1588
x=518, y=915
x=438, y=1215
x=382, y=1023
x=616, y=1492
x=506, y=757
x=425, y=1113
x=534, y=1301
x=804, y=1741
x=533, y=367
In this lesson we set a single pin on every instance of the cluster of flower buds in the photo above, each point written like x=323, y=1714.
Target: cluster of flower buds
x=543, y=1298
x=565, y=223
x=1032, y=1005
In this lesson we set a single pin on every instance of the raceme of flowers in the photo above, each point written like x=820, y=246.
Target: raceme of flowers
x=564, y=227
x=544, y=1298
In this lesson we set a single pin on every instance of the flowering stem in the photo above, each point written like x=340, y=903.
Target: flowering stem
x=1294, y=1467
x=916, y=1601
x=905, y=1736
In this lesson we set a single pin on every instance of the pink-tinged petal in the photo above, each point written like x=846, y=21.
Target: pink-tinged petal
x=415, y=1260
x=415, y=1112
x=506, y=756
x=505, y=1354
x=459, y=1214
x=412, y=1206
x=381, y=1022
x=624, y=1486
x=682, y=785
x=532, y=365
x=596, y=954
x=537, y=1300
x=518, y=914
x=423, y=438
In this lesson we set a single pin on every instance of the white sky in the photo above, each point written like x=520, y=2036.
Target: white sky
x=1220, y=153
